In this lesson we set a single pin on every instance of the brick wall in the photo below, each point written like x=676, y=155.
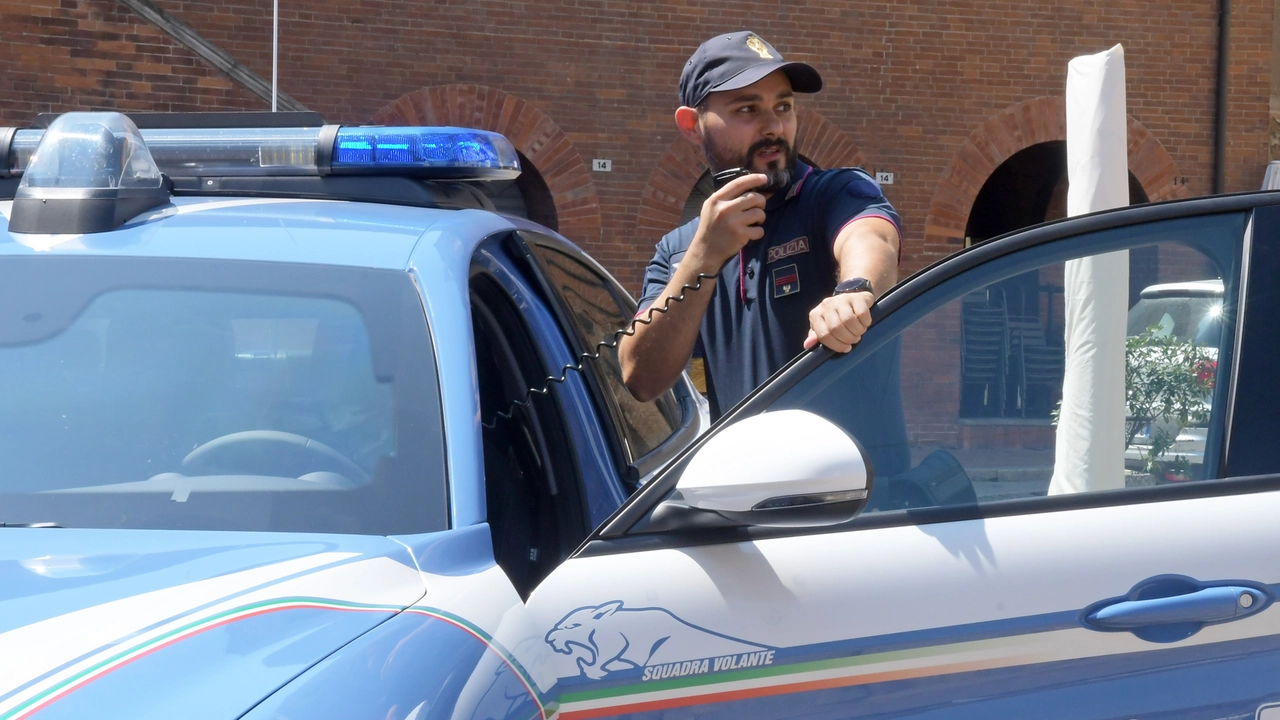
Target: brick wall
x=908, y=82
x=57, y=56
x=939, y=92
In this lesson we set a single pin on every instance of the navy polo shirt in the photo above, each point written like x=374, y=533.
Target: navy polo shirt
x=758, y=316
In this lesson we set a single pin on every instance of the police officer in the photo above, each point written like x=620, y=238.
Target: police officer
x=778, y=241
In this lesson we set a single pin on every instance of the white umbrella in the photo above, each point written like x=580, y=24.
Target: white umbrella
x=1089, y=453
x=1271, y=178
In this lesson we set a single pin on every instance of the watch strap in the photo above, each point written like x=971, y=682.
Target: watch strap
x=853, y=285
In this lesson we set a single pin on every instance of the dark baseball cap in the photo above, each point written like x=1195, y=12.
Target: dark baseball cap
x=736, y=60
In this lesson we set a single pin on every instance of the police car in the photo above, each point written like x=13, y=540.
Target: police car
x=287, y=433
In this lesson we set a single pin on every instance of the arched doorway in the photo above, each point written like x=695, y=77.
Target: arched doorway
x=555, y=188
x=1028, y=188
x=1024, y=125
x=990, y=414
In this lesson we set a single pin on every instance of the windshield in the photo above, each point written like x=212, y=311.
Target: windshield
x=1195, y=318
x=215, y=395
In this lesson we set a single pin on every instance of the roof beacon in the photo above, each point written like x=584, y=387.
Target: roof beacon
x=90, y=173
x=429, y=153
x=446, y=153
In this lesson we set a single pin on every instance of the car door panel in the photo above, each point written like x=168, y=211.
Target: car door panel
x=847, y=620
x=969, y=611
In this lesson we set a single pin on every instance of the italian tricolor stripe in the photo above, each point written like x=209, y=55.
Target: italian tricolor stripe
x=545, y=710
x=794, y=678
x=109, y=661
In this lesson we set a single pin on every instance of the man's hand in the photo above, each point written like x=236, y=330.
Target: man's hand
x=731, y=218
x=839, y=321
x=653, y=358
x=866, y=248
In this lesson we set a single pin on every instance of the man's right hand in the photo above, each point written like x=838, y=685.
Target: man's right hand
x=653, y=358
x=731, y=218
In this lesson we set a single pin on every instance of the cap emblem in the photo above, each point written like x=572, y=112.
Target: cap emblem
x=759, y=47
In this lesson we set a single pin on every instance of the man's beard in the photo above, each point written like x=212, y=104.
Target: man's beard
x=779, y=173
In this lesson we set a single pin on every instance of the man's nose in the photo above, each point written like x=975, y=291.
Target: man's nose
x=770, y=124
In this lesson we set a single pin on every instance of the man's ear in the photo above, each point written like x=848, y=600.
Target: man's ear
x=687, y=123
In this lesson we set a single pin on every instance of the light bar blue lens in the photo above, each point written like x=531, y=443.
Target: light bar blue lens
x=445, y=153
x=394, y=149
x=356, y=150
x=446, y=150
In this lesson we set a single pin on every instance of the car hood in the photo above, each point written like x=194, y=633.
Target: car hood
x=164, y=624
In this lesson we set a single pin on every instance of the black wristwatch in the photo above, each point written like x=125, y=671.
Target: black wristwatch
x=853, y=285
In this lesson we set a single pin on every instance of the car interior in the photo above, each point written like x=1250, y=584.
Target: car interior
x=532, y=489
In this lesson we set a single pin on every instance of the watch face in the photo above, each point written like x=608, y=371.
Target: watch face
x=854, y=285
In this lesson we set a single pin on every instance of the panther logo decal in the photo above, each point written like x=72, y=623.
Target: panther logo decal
x=608, y=638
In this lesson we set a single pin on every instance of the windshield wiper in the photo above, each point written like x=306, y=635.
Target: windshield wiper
x=30, y=525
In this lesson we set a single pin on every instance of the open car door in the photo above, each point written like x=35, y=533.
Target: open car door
x=870, y=535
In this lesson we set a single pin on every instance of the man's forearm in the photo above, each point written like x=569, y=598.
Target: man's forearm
x=654, y=357
x=869, y=250
x=866, y=248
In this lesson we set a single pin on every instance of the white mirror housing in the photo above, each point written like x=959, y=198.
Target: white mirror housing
x=783, y=468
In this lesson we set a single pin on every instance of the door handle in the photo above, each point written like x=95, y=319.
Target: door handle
x=1169, y=608
x=1211, y=605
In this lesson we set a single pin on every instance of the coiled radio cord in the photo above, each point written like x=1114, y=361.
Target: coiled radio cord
x=611, y=343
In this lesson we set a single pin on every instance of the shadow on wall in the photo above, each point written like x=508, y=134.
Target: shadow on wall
x=527, y=196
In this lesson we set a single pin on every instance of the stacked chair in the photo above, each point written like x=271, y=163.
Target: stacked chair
x=1007, y=357
x=984, y=349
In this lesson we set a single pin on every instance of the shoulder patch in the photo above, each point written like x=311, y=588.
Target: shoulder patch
x=863, y=187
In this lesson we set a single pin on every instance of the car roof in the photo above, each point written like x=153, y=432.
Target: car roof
x=266, y=229
x=1191, y=288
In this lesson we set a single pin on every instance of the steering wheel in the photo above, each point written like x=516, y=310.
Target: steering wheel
x=271, y=452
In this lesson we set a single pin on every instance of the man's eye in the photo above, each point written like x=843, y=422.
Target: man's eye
x=784, y=108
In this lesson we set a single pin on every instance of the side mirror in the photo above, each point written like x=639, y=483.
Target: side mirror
x=789, y=468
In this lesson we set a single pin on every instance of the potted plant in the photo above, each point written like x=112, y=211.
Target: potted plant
x=1168, y=384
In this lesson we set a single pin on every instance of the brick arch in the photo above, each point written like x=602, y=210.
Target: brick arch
x=1028, y=123
x=678, y=171
x=532, y=132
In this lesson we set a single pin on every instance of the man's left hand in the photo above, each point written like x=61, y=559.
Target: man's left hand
x=840, y=321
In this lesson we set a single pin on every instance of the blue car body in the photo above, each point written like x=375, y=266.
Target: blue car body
x=218, y=624
x=271, y=457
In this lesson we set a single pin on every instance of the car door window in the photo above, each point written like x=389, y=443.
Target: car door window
x=537, y=496
x=956, y=397
x=598, y=309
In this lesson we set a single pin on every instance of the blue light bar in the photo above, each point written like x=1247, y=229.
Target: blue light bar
x=443, y=153
x=440, y=152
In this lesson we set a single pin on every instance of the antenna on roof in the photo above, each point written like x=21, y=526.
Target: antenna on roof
x=275, y=47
